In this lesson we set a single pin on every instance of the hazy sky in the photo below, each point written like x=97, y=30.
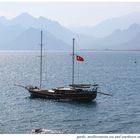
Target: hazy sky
x=70, y=13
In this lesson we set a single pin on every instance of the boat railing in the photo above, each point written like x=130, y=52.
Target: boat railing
x=83, y=85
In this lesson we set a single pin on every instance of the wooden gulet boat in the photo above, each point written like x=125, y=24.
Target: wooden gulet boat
x=77, y=92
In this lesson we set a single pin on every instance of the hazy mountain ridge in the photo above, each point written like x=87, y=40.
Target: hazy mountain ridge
x=30, y=40
x=108, y=26
x=133, y=44
x=15, y=33
x=119, y=37
x=41, y=23
x=23, y=33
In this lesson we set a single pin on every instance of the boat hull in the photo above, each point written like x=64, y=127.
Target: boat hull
x=81, y=96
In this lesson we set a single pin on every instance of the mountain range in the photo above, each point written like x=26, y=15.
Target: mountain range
x=106, y=27
x=119, y=40
x=23, y=33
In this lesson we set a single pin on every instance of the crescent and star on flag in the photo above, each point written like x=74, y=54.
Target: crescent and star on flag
x=79, y=58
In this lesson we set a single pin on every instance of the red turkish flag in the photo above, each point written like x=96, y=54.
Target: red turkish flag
x=79, y=58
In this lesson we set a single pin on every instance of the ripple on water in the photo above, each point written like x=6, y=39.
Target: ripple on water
x=115, y=72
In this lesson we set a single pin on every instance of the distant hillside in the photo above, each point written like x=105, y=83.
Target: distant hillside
x=27, y=21
x=108, y=26
x=119, y=39
x=133, y=44
x=30, y=40
x=23, y=33
x=9, y=33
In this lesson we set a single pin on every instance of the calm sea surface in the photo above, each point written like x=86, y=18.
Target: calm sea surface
x=115, y=72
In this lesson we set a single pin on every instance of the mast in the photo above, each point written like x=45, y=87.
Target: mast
x=41, y=61
x=73, y=62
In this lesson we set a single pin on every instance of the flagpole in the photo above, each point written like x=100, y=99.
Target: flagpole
x=41, y=61
x=73, y=63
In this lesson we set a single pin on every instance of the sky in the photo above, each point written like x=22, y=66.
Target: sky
x=70, y=14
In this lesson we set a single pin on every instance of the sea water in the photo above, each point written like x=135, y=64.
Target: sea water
x=117, y=73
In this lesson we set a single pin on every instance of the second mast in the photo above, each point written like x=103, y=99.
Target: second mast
x=41, y=60
x=73, y=62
